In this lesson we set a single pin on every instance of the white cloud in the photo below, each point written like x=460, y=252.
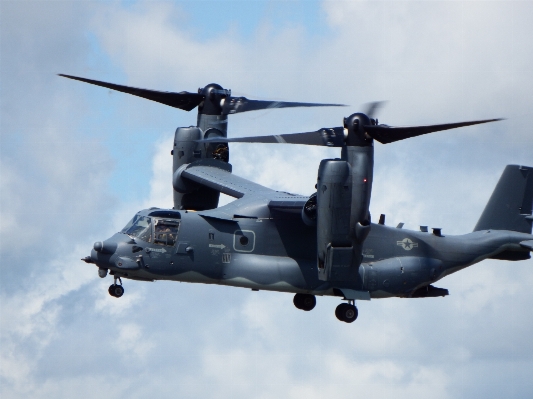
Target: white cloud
x=131, y=341
x=160, y=194
x=30, y=317
x=273, y=374
x=114, y=308
x=436, y=62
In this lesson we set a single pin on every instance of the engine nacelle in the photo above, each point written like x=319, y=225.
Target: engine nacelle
x=309, y=211
x=181, y=185
x=187, y=150
x=334, y=239
x=334, y=199
x=343, y=219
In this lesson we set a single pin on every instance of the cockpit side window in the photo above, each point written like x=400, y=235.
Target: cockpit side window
x=140, y=227
x=165, y=232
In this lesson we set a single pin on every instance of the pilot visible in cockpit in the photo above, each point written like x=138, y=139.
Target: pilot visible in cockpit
x=165, y=234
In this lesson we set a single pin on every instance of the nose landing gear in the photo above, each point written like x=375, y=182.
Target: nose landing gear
x=304, y=301
x=347, y=312
x=115, y=289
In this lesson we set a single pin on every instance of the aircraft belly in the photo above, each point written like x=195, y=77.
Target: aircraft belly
x=259, y=271
x=380, y=294
x=194, y=277
x=246, y=270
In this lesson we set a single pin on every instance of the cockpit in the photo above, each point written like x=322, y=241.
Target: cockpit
x=156, y=230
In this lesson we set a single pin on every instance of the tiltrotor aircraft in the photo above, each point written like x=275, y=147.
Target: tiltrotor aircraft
x=324, y=244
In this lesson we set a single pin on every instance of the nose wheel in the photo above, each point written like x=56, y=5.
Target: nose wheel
x=115, y=289
x=347, y=312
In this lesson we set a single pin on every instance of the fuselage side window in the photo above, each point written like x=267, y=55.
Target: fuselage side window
x=165, y=232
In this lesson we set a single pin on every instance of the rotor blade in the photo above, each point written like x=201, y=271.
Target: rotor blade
x=330, y=137
x=183, y=100
x=371, y=109
x=235, y=105
x=387, y=134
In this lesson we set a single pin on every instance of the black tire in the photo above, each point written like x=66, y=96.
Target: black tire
x=298, y=301
x=308, y=302
x=118, y=291
x=305, y=302
x=111, y=290
x=339, y=311
x=350, y=313
x=347, y=313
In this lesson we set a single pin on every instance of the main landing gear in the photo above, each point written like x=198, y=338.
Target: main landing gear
x=115, y=289
x=304, y=301
x=347, y=312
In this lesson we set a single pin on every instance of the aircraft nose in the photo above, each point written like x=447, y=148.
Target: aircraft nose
x=105, y=247
x=93, y=258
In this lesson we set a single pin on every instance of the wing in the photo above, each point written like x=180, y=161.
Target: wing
x=216, y=175
x=254, y=200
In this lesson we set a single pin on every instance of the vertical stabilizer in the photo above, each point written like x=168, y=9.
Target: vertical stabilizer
x=509, y=207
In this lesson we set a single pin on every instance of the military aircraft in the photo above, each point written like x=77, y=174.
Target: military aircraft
x=320, y=245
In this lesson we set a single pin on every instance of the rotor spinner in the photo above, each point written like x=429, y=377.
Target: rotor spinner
x=214, y=99
x=355, y=132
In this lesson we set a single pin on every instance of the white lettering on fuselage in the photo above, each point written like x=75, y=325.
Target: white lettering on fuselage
x=161, y=250
x=368, y=253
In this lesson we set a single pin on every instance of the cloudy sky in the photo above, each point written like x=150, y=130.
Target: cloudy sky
x=77, y=161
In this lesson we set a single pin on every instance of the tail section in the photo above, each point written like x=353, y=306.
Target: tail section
x=509, y=207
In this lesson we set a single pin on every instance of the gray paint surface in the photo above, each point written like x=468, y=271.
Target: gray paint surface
x=261, y=242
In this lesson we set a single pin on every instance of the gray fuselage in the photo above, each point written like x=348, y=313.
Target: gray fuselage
x=278, y=253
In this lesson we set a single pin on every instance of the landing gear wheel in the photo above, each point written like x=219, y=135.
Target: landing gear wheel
x=338, y=309
x=119, y=291
x=116, y=290
x=346, y=312
x=305, y=302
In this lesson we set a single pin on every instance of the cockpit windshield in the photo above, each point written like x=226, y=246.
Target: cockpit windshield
x=140, y=227
x=156, y=230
